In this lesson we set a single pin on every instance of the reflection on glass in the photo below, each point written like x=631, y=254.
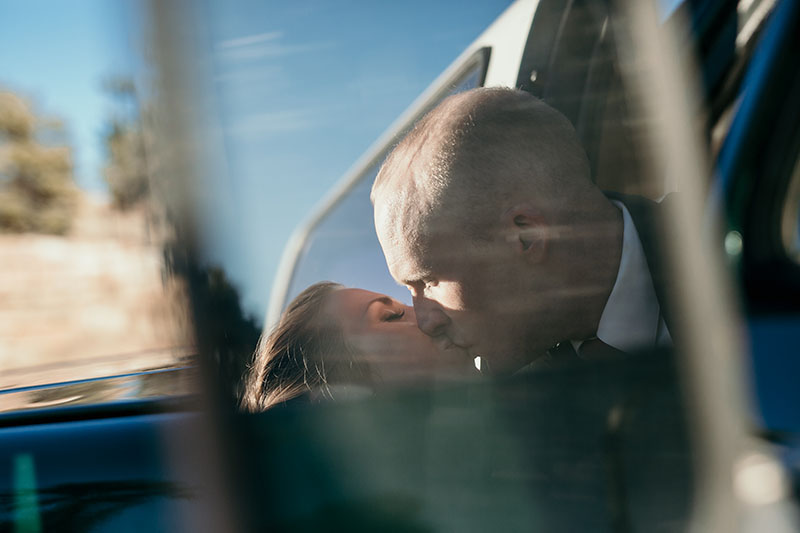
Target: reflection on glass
x=137, y=386
x=85, y=290
x=343, y=246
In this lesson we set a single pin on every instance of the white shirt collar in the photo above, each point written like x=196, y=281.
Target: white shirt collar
x=632, y=315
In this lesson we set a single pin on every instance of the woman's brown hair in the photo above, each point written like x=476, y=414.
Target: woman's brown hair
x=304, y=353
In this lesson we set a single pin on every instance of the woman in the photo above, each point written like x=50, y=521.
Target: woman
x=333, y=340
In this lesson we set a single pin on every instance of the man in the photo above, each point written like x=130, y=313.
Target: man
x=487, y=212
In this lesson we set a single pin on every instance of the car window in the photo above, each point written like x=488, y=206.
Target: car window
x=341, y=245
x=642, y=141
x=579, y=315
x=86, y=290
x=468, y=448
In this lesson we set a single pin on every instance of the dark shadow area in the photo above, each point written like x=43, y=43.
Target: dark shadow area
x=85, y=506
x=593, y=446
x=225, y=334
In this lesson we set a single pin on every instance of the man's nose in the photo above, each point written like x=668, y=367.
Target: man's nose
x=431, y=318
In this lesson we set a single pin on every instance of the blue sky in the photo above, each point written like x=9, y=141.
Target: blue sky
x=302, y=88
x=57, y=54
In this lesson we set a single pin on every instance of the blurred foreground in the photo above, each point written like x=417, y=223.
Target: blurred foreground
x=96, y=302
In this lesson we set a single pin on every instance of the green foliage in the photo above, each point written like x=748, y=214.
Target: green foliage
x=128, y=143
x=126, y=171
x=16, y=120
x=37, y=191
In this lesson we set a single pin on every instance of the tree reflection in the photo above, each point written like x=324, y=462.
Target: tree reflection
x=37, y=191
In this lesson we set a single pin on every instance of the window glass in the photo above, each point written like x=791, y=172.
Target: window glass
x=343, y=246
x=86, y=290
x=415, y=439
x=557, y=350
x=567, y=346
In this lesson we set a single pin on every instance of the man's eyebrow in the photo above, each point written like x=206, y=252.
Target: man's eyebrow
x=382, y=299
x=415, y=278
x=411, y=282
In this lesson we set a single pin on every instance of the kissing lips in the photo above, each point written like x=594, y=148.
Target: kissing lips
x=444, y=343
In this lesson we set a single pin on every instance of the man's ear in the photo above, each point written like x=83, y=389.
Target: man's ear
x=527, y=231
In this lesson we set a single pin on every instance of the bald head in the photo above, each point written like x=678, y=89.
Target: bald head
x=481, y=149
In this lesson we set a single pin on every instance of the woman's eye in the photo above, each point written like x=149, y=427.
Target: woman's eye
x=394, y=316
